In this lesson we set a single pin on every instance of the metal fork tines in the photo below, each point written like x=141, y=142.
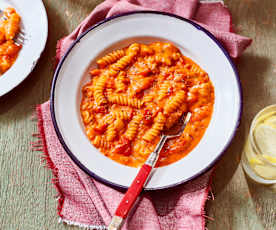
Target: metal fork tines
x=2, y=14
x=20, y=37
x=174, y=132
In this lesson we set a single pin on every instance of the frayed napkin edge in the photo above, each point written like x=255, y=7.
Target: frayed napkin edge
x=81, y=225
x=40, y=145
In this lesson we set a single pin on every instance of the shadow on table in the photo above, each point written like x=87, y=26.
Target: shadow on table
x=265, y=209
x=227, y=165
x=251, y=69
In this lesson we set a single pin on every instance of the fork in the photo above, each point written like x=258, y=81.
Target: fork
x=20, y=37
x=140, y=180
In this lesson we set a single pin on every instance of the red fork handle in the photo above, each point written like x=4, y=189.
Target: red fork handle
x=133, y=191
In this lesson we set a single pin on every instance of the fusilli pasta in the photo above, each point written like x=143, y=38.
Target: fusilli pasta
x=137, y=92
x=174, y=102
x=196, y=69
x=164, y=90
x=12, y=24
x=157, y=127
x=133, y=49
x=123, y=115
x=122, y=63
x=86, y=116
x=100, y=142
x=120, y=82
x=110, y=58
x=99, y=90
x=9, y=28
x=112, y=129
x=133, y=126
x=125, y=100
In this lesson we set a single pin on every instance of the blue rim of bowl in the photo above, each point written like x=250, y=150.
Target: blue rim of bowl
x=75, y=159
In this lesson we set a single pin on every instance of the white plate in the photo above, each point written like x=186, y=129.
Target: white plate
x=35, y=25
x=120, y=31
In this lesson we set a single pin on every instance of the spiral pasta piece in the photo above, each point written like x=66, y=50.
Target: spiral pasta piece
x=12, y=25
x=101, y=142
x=86, y=105
x=125, y=100
x=157, y=127
x=86, y=116
x=196, y=69
x=119, y=124
x=163, y=90
x=108, y=119
x=175, y=102
x=111, y=132
x=110, y=58
x=95, y=72
x=148, y=98
x=122, y=63
x=90, y=132
x=123, y=115
x=108, y=91
x=133, y=49
x=99, y=90
x=112, y=73
x=112, y=129
x=133, y=127
x=123, y=77
x=88, y=90
x=145, y=50
x=120, y=82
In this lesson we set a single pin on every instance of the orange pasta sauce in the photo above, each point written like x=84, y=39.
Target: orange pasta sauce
x=9, y=27
x=137, y=92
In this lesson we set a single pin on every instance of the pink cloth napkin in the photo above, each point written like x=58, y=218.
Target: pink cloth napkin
x=86, y=202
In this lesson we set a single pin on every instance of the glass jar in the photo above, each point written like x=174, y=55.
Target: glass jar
x=259, y=154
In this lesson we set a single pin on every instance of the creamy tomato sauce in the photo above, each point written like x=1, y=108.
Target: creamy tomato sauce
x=9, y=28
x=139, y=91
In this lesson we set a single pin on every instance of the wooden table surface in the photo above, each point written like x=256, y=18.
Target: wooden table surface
x=27, y=197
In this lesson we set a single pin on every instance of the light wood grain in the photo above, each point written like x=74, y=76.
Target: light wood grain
x=27, y=197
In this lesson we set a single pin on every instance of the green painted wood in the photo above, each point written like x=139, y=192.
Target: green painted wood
x=27, y=197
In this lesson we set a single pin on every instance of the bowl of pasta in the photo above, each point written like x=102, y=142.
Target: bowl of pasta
x=112, y=96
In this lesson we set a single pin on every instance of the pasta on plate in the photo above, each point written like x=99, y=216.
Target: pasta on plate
x=9, y=28
x=136, y=93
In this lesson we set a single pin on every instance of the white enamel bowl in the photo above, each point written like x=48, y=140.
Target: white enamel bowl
x=35, y=26
x=145, y=27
